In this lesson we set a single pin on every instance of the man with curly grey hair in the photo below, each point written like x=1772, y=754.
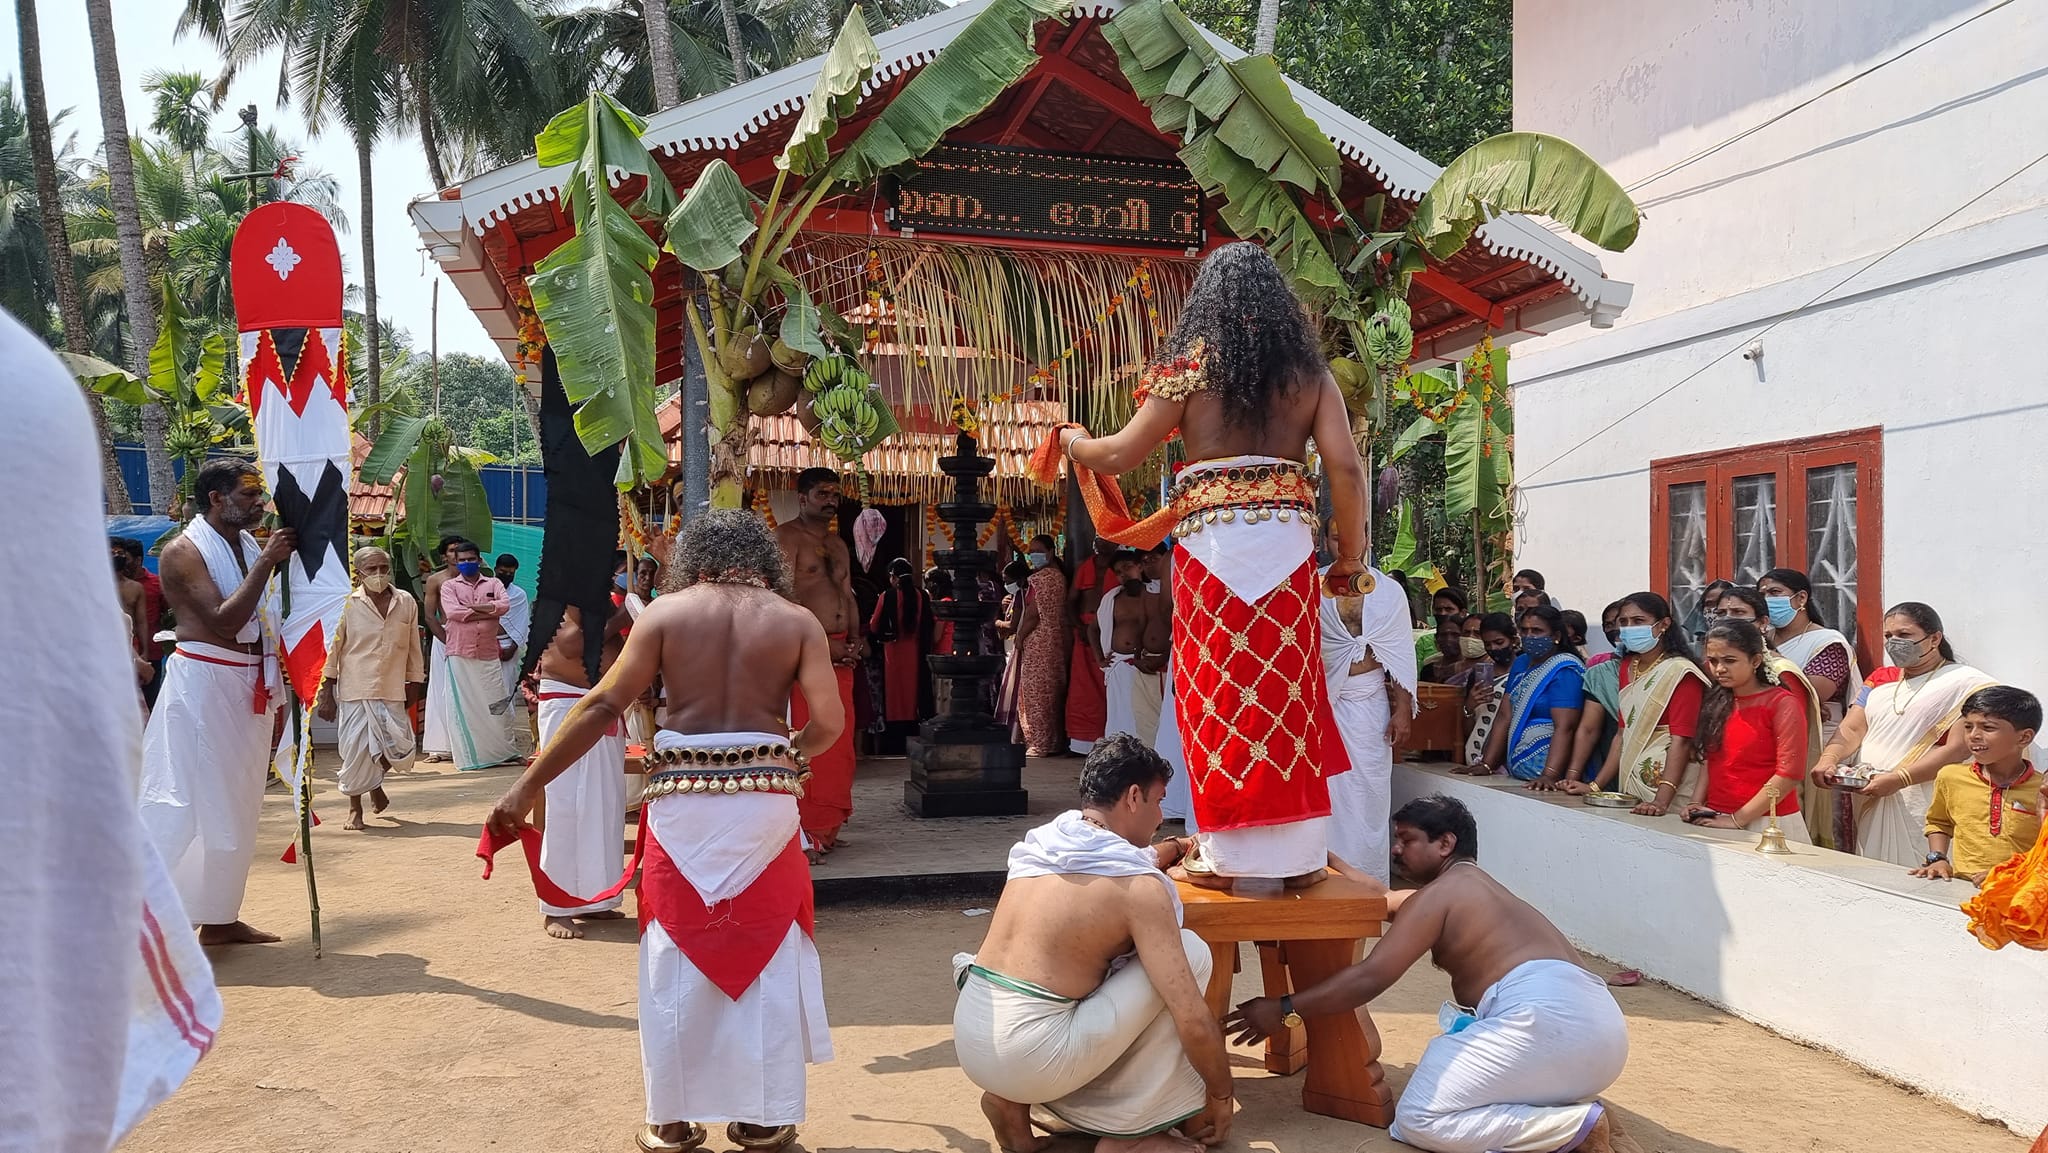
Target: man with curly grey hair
x=725, y=890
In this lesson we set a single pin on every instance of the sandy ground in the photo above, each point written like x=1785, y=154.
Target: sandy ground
x=441, y=1018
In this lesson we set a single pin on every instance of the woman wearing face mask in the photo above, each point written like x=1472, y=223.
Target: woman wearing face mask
x=1043, y=647
x=1014, y=575
x=900, y=624
x=1903, y=726
x=1543, y=695
x=1660, y=696
x=1798, y=633
x=1754, y=733
x=1747, y=605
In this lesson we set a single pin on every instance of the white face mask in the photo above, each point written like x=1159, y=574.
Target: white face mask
x=1152, y=586
x=377, y=582
x=1011, y=588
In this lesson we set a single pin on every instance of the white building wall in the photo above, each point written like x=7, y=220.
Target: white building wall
x=1939, y=343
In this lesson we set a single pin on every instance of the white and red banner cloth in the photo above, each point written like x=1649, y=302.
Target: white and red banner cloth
x=288, y=295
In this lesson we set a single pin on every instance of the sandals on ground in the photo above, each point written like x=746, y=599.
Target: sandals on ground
x=649, y=1139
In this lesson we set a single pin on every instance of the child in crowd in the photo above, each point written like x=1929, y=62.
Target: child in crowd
x=1988, y=810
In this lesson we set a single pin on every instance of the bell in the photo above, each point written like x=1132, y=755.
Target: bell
x=1771, y=842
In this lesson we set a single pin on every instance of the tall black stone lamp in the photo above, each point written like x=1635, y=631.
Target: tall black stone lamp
x=962, y=761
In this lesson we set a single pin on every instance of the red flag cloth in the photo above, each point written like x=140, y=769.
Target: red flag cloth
x=488, y=844
x=1105, y=501
x=732, y=941
x=1249, y=696
x=828, y=795
x=286, y=269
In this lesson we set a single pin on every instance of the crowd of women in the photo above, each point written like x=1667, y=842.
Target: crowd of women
x=1769, y=715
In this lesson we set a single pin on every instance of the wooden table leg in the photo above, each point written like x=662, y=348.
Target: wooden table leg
x=1344, y=1075
x=1222, y=967
x=1287, y=1050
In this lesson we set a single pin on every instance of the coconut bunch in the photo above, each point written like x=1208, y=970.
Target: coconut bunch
x=769, y=372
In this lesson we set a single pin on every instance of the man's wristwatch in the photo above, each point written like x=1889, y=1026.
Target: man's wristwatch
x=1933, y=857
x=1288, y=1017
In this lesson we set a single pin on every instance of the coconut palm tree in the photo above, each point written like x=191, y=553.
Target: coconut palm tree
x=661, y=54
x=603, y=46
x=182, y=112
x=135, y=280
x=27, y=288
x=1268, y=28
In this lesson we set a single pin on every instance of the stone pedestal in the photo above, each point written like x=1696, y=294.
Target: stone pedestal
x=962, y=761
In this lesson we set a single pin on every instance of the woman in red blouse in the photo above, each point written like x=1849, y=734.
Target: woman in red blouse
x=1754, y=732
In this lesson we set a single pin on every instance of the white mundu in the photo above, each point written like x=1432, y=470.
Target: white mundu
x=1110, y=1063
x=583, y=839
x=1521, y=1073
x=713, y=1054
x=1361, y=799
x=109, y=1000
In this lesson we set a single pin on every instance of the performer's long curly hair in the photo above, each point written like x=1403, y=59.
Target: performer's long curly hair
x=730, y=545
x=1256, y=341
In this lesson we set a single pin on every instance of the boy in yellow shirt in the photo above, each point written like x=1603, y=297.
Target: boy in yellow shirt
x=1988, y=810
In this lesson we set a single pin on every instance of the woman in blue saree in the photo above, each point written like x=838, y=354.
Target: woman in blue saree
x=1545, y=691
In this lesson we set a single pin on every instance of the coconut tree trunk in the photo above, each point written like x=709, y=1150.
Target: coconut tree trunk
x=142, y=318
x=730, y=10
x=69, y=307
x=661, y=52
x=1268, y=28
x=373, y=352
x=430, y=141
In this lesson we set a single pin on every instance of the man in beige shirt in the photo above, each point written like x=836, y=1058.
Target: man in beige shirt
x=374, y=667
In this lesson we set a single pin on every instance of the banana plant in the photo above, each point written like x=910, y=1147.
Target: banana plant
x=435, y=482
x=188, y=367
x=594, y=294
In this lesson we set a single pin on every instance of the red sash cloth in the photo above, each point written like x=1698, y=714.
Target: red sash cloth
x=1249, y=696
x=828, y=795
x=732, y=941
x=488, y=845
x=1100, y=494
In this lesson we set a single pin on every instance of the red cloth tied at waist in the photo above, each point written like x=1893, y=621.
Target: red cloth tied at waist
x=617, y=729
x=730, y=941
x=260, y=703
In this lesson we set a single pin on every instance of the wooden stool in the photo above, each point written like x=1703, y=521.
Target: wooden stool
x=1304, y=936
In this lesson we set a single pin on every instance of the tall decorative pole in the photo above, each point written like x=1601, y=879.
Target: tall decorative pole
x=963, y=762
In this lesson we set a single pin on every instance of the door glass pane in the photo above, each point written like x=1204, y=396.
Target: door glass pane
x=1831, y=544
x=1755, y=531
x=1686, y=506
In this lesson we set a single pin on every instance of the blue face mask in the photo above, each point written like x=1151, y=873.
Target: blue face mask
x=468, y=568
x=1638, y=638
x=1539, y=648
x=1039, y=560
x=1781, y=611
x=619, y=582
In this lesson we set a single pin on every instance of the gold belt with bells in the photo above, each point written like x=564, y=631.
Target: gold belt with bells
x=1253, y=493
x=762, y=768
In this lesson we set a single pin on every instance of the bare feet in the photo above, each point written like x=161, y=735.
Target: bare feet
x=239, y=933
x=378, y=801
x=603, y=915
x=1012, y=1123
x=1168, y=1142
x=355, y=814
x=1607, y=1136
x=562, y=928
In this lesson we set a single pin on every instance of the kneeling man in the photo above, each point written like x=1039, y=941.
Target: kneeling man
x=1522, y=1070
x=1056, y=1011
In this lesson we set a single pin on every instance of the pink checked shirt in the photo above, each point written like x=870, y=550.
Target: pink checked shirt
x=470, y=635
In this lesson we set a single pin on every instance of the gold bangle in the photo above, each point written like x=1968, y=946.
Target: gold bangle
x=1903, y=774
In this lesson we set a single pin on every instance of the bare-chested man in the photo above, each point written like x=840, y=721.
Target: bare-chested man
x=1126, y=617
x=134, y=601
x=586, y=805
x=1523, y=1067
x=821, y=580
x=1242, y=377
x=207, y=749
x=728, y=1039
x=437, y=740
x=1049, y=1015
